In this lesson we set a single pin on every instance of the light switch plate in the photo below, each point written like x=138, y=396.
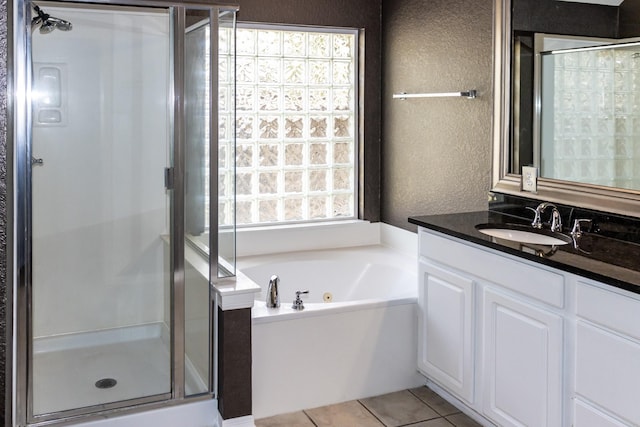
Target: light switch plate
x=529, y=179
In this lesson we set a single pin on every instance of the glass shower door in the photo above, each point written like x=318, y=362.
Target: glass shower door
x=101, y=141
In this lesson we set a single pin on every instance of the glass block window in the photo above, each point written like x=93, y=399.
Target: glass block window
x=296, y=124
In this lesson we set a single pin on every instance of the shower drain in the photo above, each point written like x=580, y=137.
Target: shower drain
x=106, y=383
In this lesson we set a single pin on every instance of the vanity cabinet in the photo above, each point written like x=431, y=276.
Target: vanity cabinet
x=493, y=325
x=524, y=344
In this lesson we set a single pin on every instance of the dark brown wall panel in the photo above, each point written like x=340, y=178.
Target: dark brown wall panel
x=234, y=363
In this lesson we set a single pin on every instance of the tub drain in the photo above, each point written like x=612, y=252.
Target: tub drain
x=327, y=297
x=106, y=383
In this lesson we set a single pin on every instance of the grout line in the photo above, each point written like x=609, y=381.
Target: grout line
x=429, y=406
x=309, y=418
x=432, y=419
x=439, y=416
x=411, y=424
x=374, y=415
x=458, y=411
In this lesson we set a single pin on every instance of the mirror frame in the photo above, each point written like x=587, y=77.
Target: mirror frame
x=606, y=199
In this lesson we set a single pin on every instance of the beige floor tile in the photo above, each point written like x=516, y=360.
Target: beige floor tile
x=399, y=408
x=438, y=422
x=436, y=402
x=462, y=420
x=294, y=419
x=348, y=414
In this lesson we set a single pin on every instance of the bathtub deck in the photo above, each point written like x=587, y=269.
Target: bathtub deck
x=414, y=407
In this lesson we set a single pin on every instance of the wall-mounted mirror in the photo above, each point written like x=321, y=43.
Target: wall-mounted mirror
x=568, y=100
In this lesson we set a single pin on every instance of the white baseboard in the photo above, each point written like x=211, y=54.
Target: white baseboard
x=236, y=422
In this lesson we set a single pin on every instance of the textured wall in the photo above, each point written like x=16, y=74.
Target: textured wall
x=340, y=13
x=3, y=201
x=436, y=152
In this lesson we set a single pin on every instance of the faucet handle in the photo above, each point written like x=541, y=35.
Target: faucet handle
x=537, y=221
x=576, y=231
x=556, y=220
x=298, y=304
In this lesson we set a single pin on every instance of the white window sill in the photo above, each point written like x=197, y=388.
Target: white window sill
x=306, y=237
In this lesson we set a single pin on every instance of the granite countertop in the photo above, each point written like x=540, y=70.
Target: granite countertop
x=608, y=260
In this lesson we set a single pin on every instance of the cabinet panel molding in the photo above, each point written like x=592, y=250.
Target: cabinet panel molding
x=608, y=371
x=445, y=328
x=522, y=362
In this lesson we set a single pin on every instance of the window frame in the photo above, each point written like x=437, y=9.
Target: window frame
x=356, y=114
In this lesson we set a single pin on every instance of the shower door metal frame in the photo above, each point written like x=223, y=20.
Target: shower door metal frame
x=19, y=306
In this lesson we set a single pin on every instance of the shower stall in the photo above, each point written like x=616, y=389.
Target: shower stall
x=122, y=137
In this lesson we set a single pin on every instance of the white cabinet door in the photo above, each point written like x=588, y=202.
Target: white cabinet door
x=608, y=371
x=445, y=349
x=522, y=361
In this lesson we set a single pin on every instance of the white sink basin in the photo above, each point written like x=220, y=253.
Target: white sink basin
x=523, y=234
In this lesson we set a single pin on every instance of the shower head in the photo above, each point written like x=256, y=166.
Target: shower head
x=48, y=23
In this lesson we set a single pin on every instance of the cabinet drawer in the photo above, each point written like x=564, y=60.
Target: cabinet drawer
x=535, y=282
x=607, y=308
x=607, y=371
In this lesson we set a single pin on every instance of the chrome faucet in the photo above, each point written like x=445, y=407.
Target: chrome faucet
x=577, y=230
x=298, y=304
x=273, y=297
x=556, y=221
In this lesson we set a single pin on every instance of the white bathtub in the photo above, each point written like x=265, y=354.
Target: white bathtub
x=363, y=343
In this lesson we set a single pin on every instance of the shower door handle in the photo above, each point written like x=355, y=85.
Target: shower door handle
x=36, y=162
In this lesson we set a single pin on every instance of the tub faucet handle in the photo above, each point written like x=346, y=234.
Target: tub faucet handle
x=273, y=296
x=298, y=304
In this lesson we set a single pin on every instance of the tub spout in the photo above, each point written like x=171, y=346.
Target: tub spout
x=273, y=297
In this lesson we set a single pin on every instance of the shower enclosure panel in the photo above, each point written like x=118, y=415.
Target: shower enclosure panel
x=116, y=113
x=101, y=137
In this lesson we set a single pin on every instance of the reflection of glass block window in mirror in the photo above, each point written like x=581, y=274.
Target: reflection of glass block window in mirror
x=296, y=123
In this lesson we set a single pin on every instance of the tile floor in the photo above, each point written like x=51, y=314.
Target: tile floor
x=419, y=407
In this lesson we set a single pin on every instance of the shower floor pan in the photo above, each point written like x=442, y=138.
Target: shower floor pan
x=80, y=370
